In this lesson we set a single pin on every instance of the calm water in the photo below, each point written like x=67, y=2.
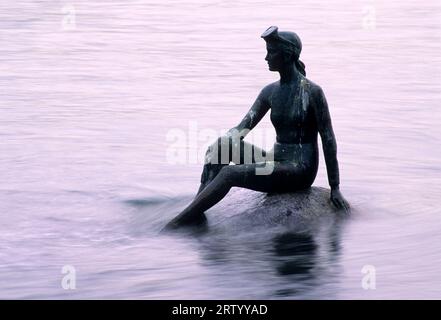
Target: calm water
x=89, y=91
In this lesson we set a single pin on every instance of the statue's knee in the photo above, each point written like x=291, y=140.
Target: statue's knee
x=223, y=141
x=218, y=151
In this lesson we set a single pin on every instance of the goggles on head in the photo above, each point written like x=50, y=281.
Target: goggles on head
x=272, y=34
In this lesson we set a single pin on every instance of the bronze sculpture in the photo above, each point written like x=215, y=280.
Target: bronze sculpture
x=299, y=112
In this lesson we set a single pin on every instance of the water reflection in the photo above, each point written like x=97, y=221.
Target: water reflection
x=297, y=254
x=290, y=262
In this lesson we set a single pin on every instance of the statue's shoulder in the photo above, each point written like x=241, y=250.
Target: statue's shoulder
x=311, y=86
x=315, y=93
x=268, y=90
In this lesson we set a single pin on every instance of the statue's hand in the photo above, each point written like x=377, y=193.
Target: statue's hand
x=235, y=133
x=338, y=200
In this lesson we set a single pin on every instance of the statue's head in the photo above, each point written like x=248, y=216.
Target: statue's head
x=283, y=49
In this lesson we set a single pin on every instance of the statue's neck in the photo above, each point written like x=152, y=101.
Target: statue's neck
x=289, y=74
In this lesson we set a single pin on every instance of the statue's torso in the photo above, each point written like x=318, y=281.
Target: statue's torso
x=292, y=115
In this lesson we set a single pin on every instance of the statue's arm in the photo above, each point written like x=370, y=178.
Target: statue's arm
x=329, y=143
x=257, y=111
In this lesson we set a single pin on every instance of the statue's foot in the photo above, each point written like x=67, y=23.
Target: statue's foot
x=186, y=221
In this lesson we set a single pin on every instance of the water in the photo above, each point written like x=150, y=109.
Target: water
x=87, y=103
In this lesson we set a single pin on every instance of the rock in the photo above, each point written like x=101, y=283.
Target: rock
x=246, y=208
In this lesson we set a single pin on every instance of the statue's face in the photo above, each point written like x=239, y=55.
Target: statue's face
x=274, y=56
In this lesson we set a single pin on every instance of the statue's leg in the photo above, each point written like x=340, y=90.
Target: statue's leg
x=248, y=176
x=209, y=172
x=208, y=197
x=239, y=153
